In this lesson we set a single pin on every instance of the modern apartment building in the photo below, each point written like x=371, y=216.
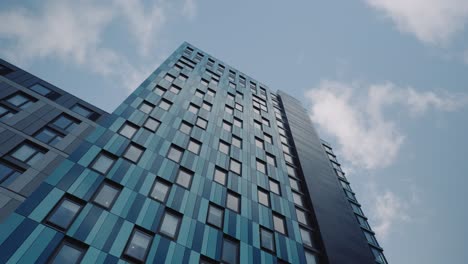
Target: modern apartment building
x=200, y=164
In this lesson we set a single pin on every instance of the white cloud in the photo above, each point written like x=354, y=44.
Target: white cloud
x=389, y=210
x=431, y=21
x=355, y=115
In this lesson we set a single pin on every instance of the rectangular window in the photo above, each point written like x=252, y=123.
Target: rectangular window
x=271, y=159
x=165, y=104
x=274, y=186
x=49, y=136
x=193, y=108
x=175, y=89
x=194, y=146
x=235, y=166
x=81, y=110
x=231, y=96
x=239, y=107
x=259, y=143
x=379, y=257
x=175, y=153
x=128, y=130
x=184, y=178
x=152, y=124
x=306, y=237
x=227, y=126
x=207, y=106
x=65, y=212
x=357, y=209
x=169, y=78
x=288, y=158
x=265, y=122
x=297, y=199
x=230, y=251
x=261, y=166
x=220, y=176
x=232, y=85
x=201, y=123
x=291, y=170
x=6, y=112
x=215, y=216
x=28, y=153
x=103, y=162
x=257, y=125
x=107, y=194
x=70, y=251
x=370, y=238
x=268, y=138
x=161, y=189
x=204, y=82
x=235, y=141
x=146, y=107
x=267, y=240
x=65, y=122
x=263, y=197
x=8, y=174
x=170, y=224
x=237, y=122
x=362, y=222
x=199, y=93
x=40, y=89
x=211, y=92
x=21, y=100
x=294, y=184
x=182, y=77
x=134, y=152
x=233, y=202
x=224, y=147
x=229, y=110
x=159, y=90
x=311, y=258
x=185, y=127
x=138, y=245
x=302, y=216
x=279, y=223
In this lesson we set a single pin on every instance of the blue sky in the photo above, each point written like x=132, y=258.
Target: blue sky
x=385, y=82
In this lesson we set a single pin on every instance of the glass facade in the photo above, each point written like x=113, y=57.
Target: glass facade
x=197, y=165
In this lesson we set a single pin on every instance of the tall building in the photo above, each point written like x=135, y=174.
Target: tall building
x=200, y=164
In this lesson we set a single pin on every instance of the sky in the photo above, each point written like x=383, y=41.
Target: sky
x=385, y=82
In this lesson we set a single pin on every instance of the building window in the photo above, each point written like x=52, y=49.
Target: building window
x=160, y=190
x=170, y=224
x=291, y=170
x=64, y=213
x=128, y=130
x=267, y=240
x=235, y=141
x=169, y=78
x=185, y=127
x=201, y=123
x=227, y=126
x=210, y=92
x=146, y=107
x=302, y=216
x=40, y=89
x=199, y=93
x=274, y=186
x=165, y=104
x=103, y=162
x=184, y=178
x=261, y=166
x=288, y=158
x=235, y=166
x=271, y=159
x=21, y=100
x=193, y=108
x=175, y=153
x=6, y=112
x=224, y=147
x=310, y=257
x=239, y=107
x=370, y=238
x=259, y=143
x=175, y=89
x=49, y=136
x=257, y=125
x=220, y=176
x=297, y=199
x=159, y=90
x=138, y=245
x=268, y=138
x=256, y=110
x=263, y=197
x=265, y=122
x=233, y=202
x=231, y=96
x=194, y=146
x=237, y=122
x=204, y=82
x=28, y=153
x=107, y=194
x=70, y=251
x=362, y=222
x=182, y=77
x=207, y=106
x=294, y=184
x=215, y=216
x=152, y=124
x=65, y=122
x=379, y=257
x=229, y=110
x=357, y=209
x=230, y=251
x=279, y=223
x=306, y=237
x=133, y=152
x=81, y=110
x=8, y=174
x=232, y=85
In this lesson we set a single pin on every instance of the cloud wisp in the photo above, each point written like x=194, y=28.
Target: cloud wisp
x=355, y=115
x=430, y=21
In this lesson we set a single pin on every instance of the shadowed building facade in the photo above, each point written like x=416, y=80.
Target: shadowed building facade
x=200, y=164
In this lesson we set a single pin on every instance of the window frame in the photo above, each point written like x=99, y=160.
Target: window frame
x=71, y=199
x=129, y=241
x=175, y=214
x=208, y=222
x=113, y=185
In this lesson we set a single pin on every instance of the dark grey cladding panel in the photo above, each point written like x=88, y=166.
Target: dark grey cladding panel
x=342, y=237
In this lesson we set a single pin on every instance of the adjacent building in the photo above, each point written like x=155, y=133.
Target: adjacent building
x=200, y=164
